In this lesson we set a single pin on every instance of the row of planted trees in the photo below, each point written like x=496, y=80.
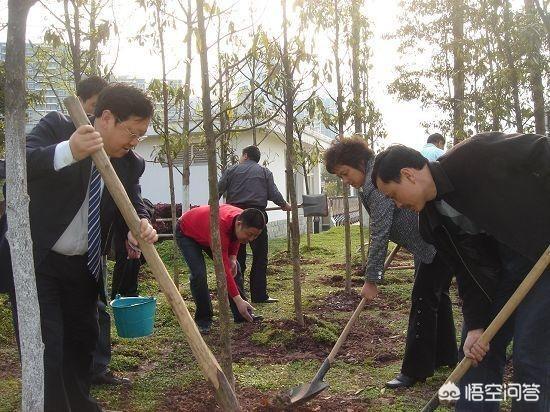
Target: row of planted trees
x=487, y=69
x=488, y=63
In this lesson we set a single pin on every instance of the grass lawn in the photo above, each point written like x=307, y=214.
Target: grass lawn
x=269, y=357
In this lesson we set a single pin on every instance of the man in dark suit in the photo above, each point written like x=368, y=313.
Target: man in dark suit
x=69, y=216
x=486, y=203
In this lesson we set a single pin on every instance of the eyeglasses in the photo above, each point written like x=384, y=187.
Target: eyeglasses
x=134, y=135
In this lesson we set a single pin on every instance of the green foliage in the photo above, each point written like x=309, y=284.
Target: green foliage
x=496, y=42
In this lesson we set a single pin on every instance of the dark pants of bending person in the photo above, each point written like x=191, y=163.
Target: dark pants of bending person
x=529, y=329
x=194, y=257
x=431, y=337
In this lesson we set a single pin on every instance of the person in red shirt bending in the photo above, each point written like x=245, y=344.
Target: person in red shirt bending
x=193, y=238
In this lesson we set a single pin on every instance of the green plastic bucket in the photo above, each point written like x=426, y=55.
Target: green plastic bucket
x=134, y=316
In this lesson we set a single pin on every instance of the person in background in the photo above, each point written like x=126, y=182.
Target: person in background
x=434, y=147
x=87, y=91
x=250, y=185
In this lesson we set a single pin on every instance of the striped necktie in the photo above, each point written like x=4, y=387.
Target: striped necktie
x=94, y=228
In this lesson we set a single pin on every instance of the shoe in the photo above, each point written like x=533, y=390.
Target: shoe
x=109, y=378
x=204, y=329
x=266, y=300
x=402, y=381
x=255, y=318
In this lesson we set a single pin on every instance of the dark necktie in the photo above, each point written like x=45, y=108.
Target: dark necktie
x=94, y=228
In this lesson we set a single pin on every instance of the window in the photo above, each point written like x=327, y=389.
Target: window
x=197, y=155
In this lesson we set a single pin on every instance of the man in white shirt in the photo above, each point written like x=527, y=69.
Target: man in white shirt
x=69, y=213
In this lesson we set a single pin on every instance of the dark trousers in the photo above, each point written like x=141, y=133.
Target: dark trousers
x=125, y=283
x=102, y=353
x=125, y=271
x=67, y=296
x=528, y=327
x=193, y=255
x=258, y=280
x=431, y=336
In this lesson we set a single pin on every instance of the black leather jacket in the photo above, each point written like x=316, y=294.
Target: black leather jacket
x=473, y=258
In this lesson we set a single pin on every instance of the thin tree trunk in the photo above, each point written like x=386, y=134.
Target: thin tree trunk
x=186, y=201
x=356, y=85
x=357, y=118
x=253, y=86
x=94, y=53
x=341, y=121
x=17, y=200
x=288, y=220
x=534, y=60
x=223, y=104
x=306, y=184
x=290, y=162
x=167, y=148
x=225, y=326
x=457, y=13
x=514, y=81
x=74, y=39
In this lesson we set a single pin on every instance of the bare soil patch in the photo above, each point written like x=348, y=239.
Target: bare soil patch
x=301, y=347
x=200, y=398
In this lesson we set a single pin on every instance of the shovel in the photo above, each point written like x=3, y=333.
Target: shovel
x=206, y=360
x=499, y=320
x=313, y=205
x=305, y=392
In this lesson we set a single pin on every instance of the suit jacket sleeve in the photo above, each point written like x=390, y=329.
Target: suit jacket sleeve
x=41, y=143
x=134, y=191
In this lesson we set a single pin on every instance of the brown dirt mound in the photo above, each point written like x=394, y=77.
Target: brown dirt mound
x=370, y=337
x=200, y=398
x=279, y=261
x=356, y=268
x=9, y=367
x=339, y=281
x=403, y=257
x=340, y=301
x=303, y=346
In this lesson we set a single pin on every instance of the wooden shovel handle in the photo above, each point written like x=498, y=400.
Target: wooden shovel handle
x=356, y=313
x=499, y=320
x=207, y=362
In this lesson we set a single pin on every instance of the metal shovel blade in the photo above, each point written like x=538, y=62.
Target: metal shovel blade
x=305, y=392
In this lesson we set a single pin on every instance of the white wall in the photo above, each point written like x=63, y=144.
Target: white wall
x=155, y=182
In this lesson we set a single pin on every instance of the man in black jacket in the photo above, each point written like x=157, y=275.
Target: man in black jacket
x=485, y=204
x=69, y=216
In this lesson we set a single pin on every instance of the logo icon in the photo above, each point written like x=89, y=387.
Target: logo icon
x=449, y=392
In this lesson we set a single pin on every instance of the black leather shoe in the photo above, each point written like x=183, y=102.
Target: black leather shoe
x=109, y=378
x=204, y=329
x=268, y=300
x=402, y=381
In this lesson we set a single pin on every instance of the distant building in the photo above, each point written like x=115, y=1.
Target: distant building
x=154, y=182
